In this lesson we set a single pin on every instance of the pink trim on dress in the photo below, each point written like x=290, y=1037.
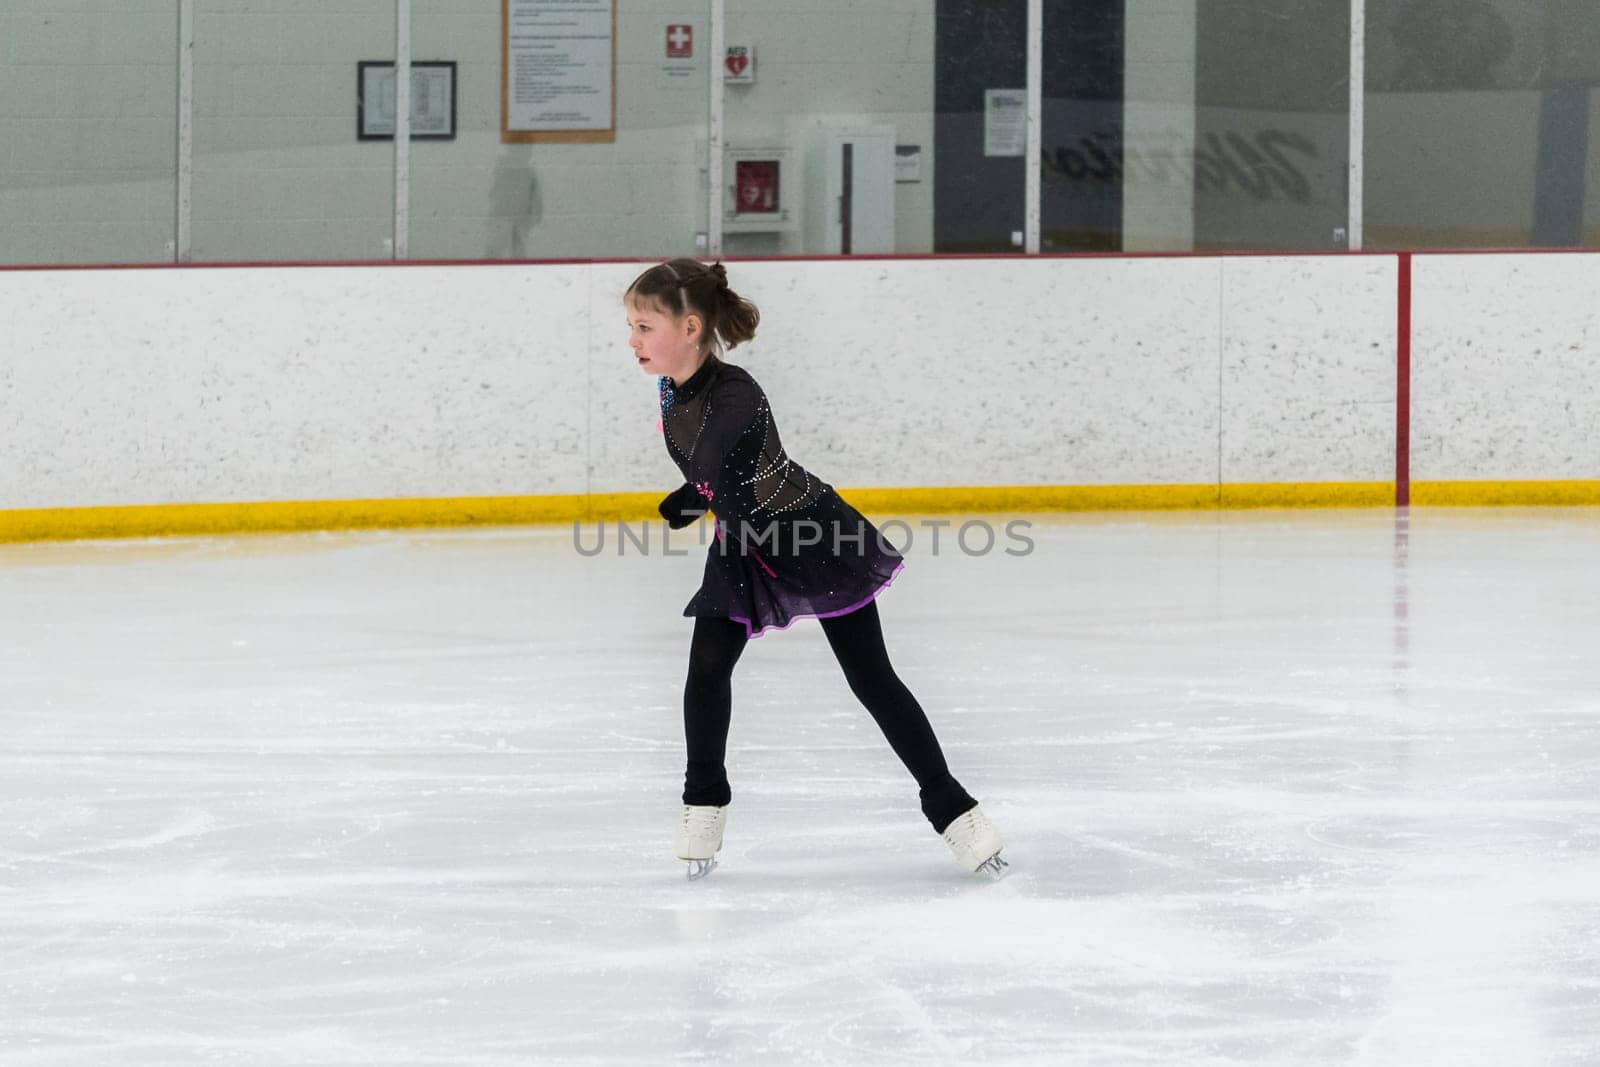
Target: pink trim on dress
x=770, y=572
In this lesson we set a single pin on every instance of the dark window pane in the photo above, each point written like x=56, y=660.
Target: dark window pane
x=1081, y=150
x=1271, y=124
x=981, y=65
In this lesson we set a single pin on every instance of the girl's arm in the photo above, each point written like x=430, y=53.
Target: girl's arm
x=731, y=409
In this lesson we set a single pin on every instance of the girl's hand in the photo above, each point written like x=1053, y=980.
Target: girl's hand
x=682, y=507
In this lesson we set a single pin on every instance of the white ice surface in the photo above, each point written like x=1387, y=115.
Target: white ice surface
x=1308, y=788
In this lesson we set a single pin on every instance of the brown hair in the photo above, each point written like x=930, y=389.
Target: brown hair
x=680, y=286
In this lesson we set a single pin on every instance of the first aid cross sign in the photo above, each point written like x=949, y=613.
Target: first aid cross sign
x=680, y=41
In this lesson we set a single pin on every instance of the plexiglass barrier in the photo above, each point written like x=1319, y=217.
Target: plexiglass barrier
x=585, y=129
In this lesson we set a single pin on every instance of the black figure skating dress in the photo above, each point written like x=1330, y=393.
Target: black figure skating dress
x=787, y=546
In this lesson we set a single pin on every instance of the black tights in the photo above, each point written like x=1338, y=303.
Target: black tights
x=857, y=642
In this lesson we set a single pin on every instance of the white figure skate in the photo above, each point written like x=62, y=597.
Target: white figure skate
x=976, y=844
x=700, y=837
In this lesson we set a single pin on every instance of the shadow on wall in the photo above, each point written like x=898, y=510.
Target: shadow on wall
x=515, y=206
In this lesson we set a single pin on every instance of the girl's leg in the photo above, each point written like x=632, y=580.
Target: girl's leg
x=857, y=641
x=707, y=707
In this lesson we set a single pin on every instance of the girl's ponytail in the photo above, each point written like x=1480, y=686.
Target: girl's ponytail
x=737, y=318
x=684, y=285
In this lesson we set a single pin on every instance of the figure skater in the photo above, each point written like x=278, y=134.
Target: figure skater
x=787, y=547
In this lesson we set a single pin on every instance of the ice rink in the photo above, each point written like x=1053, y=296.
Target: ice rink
x=1278, y=787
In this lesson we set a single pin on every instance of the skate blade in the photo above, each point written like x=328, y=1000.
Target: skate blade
x=698, y=869
x=995, y=867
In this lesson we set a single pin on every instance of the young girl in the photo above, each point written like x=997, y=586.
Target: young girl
x=787, y=547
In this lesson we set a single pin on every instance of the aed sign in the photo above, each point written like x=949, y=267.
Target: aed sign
x=739, y=65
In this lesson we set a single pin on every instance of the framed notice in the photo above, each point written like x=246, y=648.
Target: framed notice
x=558, y=70
x=1005, y=122
x=433, y=101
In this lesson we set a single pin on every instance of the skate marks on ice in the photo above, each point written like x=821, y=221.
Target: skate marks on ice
x=822, y=967
x=384, y=799
x=187, y=825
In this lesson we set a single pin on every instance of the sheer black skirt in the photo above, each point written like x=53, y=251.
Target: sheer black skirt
x=819, y=561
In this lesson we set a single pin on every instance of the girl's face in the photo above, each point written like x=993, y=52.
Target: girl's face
x=664, y=344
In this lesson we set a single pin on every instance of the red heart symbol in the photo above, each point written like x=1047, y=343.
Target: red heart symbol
x=736, y=64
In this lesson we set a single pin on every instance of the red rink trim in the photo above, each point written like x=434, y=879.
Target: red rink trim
x=1402, y=407
x=649, y=260
x=1287, y=253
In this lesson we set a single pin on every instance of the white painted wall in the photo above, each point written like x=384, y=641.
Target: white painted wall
x=231, y=385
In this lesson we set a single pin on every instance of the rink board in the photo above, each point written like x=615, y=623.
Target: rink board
x=149, y=401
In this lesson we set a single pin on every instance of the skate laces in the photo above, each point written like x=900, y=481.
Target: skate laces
x=701, y=821
x=968, y=829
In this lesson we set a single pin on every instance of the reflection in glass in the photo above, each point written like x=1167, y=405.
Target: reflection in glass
x=642, y=194
x=1082, y=137
x=88, y=173
x=280, y=173
x=1271, y=152
x=981, y=65
x=829, y=128
x=1480, y=115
